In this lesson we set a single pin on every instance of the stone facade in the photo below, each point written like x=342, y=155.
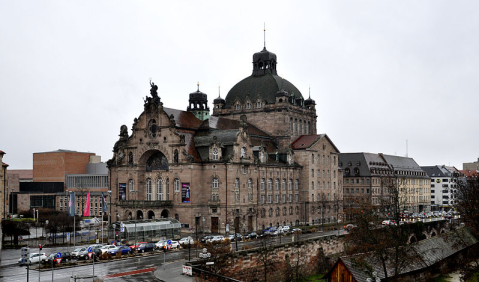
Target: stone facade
x=244, y=168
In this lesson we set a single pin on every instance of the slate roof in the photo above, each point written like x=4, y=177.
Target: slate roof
x=436, y=171
x=429, y=252
x=262, y=87
x=402, y=163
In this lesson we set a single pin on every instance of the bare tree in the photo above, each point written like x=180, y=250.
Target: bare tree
x=468, y=207
x=388, y=246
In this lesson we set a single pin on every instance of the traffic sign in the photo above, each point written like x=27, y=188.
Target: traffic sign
x=90, y=249
x=168, y=242
x=89, y=255
x=59, y=260
x=59, y=255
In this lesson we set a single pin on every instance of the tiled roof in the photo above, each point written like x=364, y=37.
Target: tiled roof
x=184, y=119
x=306, y=141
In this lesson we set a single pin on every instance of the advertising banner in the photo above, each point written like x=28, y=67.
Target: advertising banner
x=185, y=192
x=122, y=191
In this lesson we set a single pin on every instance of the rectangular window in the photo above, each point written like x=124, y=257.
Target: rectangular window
x=262, y=199
x=296, y=198
x=270, y=199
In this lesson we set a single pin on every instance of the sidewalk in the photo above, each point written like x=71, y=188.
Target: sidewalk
x=172, y=272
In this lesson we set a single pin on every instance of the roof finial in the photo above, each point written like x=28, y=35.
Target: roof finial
x=198, y=85
x=310, y=92
x=264, y=35
x=219, y=92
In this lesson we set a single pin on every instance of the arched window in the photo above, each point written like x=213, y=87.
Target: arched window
x=215, y=154
x=157, y=161
x=159, y=191
x=290, y=185
x=276, y=184
x=148, y=189
x=215, y=183
x=237, y=183
x=283, y=184
x=243, y=152
x=296, y=184
x=262, y=183
x=270, y=184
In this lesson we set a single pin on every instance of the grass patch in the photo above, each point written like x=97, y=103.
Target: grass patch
x=315, y=278
x=442, y=278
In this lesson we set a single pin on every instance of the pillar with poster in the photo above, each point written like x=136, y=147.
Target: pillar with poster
x=185, y=193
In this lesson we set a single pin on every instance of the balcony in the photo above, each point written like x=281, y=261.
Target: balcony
x=144, y=204
x=214, y=203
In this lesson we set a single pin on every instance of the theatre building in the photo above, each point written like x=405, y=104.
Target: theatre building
x=255, y=161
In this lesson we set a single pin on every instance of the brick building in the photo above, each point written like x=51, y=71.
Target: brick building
x=55, y=174
x=247, y=166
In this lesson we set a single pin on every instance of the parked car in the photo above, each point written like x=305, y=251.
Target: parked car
x=185, y=241
x=66, y=257
x=349, y=227
x=146, y=247
x=388, y=222
x=251, y=235
x=124, y=250
x=296, y=230
x=134, y=246
x=32, y=258
x=205, y=239
x=106, y=248
x=76, y=252
x=216, y=239
x=285, y=228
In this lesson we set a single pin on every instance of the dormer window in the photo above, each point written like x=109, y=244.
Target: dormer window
x=215, y=154
x=243, y=152
x=237, y=107
x=258, y=105
x=248, y=105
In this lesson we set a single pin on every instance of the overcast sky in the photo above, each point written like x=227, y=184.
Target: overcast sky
x=381, y=72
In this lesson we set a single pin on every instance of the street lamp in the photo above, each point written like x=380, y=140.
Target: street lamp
x=136, y=214
x=10, y=202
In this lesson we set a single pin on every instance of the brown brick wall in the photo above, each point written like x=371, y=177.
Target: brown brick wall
x=53, y=166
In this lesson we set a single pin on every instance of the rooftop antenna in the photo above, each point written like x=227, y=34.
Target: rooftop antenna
x=264, y=35
x=406, y=149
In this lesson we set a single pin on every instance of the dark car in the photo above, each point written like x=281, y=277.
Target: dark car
x=124, y=250
x=148, y=247
x=66, y=257
x=251, y=235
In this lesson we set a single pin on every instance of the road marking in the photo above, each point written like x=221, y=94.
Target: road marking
x=130, y=272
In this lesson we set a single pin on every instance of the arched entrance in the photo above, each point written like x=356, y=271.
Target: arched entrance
x=164, y=214
x=139, y=214
x=151, y=215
